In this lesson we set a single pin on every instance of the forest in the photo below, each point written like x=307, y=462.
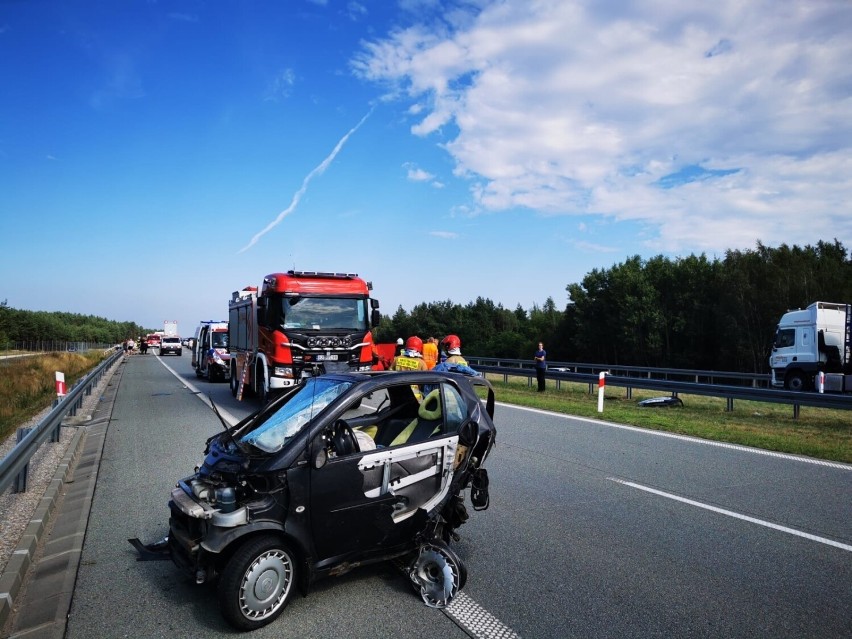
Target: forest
x=31, y=327
x=690, y=312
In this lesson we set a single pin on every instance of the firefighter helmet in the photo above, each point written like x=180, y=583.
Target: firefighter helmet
x=414, y=343
x=451, y=342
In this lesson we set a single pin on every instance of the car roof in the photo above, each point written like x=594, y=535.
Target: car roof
x=381, y=378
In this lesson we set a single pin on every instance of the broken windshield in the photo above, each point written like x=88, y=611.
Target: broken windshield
x=285, y=423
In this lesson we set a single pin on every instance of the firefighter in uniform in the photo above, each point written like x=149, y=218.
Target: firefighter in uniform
x=452, y=347
x=454, y=362
x=430, y=352
x=410, y=359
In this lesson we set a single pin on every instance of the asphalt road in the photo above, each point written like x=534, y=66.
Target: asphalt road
x=594, y=530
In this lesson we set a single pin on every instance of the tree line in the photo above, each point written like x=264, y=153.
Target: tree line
x=690, y=312
x=17, y=325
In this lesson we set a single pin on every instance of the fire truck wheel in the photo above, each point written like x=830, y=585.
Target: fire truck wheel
x=260, y=390
x=234, y=382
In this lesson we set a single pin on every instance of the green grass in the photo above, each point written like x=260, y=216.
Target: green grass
x=820, y=433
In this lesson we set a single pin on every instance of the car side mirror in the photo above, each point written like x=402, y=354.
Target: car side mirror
x=468, y=433
x=320, y=457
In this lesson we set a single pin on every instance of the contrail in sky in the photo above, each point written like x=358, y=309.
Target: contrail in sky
x=320, y=168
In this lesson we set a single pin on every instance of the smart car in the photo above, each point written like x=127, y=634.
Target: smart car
x=345, y=470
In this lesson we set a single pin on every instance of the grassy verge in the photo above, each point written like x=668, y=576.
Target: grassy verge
x=28, y=384
x=821, y=433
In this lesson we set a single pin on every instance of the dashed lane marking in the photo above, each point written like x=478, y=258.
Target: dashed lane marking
x=735, y=515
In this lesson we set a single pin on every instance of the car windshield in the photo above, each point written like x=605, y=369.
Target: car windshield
x=285, y=423
x=220, y=339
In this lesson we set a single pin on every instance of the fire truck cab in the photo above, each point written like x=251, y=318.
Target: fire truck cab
x=300, y=324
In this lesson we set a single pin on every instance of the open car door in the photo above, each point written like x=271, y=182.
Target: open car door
x=368, y=498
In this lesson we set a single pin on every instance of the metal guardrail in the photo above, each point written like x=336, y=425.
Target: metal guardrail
x=678, y=374
x=16, y=461
x=836, y=401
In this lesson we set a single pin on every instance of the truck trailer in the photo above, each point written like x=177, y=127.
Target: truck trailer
x=811, y=349
x=299, y=324
x=170, y=328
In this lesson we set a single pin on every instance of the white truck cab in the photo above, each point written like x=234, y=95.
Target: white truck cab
x=809, y=341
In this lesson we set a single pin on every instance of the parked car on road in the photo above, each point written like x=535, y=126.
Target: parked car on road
x=170, y=344
x=344, y=470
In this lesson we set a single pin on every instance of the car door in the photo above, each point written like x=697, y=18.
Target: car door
x=379, y=498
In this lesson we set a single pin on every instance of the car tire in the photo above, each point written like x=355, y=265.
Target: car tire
x=257, y=583
x=428, y=574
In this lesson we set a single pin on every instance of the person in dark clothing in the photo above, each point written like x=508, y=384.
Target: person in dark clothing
x=540, y=366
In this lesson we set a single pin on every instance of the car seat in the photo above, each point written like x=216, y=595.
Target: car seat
x=427, y=423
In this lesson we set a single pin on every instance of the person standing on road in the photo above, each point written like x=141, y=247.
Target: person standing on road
x=540, y=366
x=430, y=352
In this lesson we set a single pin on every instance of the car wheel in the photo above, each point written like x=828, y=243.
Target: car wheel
x=234, y=382
x=179, y=353
x=438, y=574
x=260, y=389
x=796, y=381
x=257, y=583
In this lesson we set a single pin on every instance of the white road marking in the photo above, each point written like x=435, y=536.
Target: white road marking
x=735, y=515
x=694, y=440
x=227, y=416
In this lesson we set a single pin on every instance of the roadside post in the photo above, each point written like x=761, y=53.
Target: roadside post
x=601, y=386
x=60, y=385
x=821, y=382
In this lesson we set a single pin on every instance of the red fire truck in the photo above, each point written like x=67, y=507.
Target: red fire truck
x=301, y=324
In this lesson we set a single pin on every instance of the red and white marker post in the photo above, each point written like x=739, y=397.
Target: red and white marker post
x=821, y=382
x=601, y=386
x=60, y=384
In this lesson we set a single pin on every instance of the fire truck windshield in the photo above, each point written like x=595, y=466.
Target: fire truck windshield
x=319, y=313
x=220, y=339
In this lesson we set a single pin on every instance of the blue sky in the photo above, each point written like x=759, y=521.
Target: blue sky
x=157, y=155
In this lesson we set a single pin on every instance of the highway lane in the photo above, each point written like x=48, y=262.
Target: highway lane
x=566, y=549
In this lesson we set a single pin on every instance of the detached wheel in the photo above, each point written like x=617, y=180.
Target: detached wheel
x=437, y=574
x=257, y=583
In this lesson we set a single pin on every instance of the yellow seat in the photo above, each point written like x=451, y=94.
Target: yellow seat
x=429, y=411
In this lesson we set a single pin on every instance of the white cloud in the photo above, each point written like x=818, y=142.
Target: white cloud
x=356, y=11
x=575, y=108
x=418, y=175
x=444, y=235
x=279, y=87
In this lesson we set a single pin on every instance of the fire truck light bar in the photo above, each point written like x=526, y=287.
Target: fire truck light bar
x=318, y=274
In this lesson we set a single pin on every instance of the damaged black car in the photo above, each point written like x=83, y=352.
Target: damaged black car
x=342, y=471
